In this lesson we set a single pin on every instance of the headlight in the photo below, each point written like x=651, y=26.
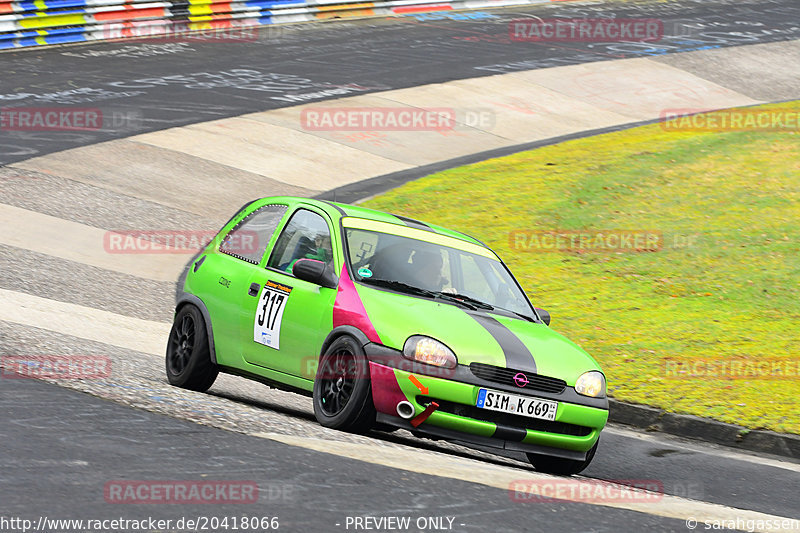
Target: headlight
x=591, y=384
x=429, y=351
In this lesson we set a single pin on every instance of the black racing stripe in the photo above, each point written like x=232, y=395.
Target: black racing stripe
x=410, y=222
x=517, y=354
x=509, y=433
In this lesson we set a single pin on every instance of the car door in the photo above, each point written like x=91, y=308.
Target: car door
x=219, y=278
x=285, y=319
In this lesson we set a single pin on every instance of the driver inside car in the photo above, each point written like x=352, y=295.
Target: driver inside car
x=321, y=251
x=427, y=270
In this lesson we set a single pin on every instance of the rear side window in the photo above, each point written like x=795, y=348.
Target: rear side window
x=249, y=238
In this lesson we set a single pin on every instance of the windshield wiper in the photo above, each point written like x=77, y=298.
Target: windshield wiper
x=411, y=289
x=521, y=315
x=461, y=299
x=486, y=305
x=526, y=317
x=464, y=298
x=399, y=286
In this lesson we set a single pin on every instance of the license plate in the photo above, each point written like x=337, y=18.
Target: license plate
x=517, y=405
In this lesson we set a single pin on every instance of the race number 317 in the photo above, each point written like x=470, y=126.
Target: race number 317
x=271, y=304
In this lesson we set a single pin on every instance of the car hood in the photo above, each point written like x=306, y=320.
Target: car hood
x=475, y=336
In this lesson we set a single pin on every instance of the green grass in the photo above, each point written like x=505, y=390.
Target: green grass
x=735, y=293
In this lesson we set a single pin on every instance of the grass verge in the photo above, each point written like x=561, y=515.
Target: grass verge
x=724, y=287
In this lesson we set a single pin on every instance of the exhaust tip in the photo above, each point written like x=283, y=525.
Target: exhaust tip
x=405, y=410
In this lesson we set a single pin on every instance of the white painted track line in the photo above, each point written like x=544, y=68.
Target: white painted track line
x=501, y=477
x=72, y=241
x=144, y=336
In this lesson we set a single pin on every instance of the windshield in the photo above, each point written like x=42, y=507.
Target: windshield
x=417, y=267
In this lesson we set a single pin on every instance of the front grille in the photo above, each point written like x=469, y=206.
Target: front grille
x=506, y=419
x=498, y=374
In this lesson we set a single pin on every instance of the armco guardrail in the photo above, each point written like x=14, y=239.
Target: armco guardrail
x=47, y=22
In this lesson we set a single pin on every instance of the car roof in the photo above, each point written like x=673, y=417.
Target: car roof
x=338, y=210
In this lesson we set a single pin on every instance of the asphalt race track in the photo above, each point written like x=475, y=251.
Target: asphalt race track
x=61, y=446
x=173, y=84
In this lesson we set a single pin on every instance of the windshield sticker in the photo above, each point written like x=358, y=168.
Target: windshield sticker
x=364, y=272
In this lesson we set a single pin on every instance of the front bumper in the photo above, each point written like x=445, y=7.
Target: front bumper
x=574, y=431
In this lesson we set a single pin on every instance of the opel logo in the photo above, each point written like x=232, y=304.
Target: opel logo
x=521, y=379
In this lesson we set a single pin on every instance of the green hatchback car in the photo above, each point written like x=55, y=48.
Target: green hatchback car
x=386, y=322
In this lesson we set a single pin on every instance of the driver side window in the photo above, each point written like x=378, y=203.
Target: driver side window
x=306, y=236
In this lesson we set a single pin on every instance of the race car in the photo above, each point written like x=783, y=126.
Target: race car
x=386, y=322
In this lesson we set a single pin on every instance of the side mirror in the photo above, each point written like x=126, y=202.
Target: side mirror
x=544, y=315
x=316, y=272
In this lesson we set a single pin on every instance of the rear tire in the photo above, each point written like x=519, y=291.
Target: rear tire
x=342, y=388
x=188, y=361
x=559, y=466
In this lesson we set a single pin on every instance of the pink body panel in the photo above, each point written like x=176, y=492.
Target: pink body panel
x=386, y=393
x=348, y=310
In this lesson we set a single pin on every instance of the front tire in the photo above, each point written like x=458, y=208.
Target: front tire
x=560, y=466
x=342, y=388
x=188, y=361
